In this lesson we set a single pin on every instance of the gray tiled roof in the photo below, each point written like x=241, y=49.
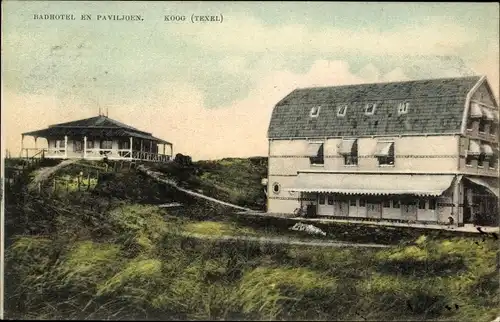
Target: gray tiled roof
x=98, y=126
x=436, y=106
x=96, y=121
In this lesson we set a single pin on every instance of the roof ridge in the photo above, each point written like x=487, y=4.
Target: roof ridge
x=393, y=82
x=98, y=117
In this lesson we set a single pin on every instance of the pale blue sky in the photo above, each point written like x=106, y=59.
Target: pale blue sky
x=139, y=67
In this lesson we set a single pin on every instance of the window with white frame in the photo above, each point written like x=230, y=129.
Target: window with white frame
x=370, y=108
x=106, y=144
x=60, y=144
x=341, y=111
x=470, y=124
x=77, y=146
x=403, y=107
x=315, y=111
x=385, y=153
x=493, y=160
x=493, y=128
x=468, y=159
x=482, y=125
x=125, y=145
x=315, y=152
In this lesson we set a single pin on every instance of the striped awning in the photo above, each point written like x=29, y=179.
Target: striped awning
x=490, y=183
x=474, y=148
x=371, y=184
x=383, y=149
x=346, y=146
x=487, y=150
x=313, y=149
x=475, y=110
x=488, y=114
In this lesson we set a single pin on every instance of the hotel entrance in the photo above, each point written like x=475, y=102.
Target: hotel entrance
x=325, y=204
x=332, y=205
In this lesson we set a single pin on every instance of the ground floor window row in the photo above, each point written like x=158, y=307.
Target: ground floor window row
x=428, y=203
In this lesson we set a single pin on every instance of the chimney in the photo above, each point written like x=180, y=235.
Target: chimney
x=99, y=111
x=106, y=112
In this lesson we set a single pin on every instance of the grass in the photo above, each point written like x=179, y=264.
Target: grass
x=233, y=180
x=212, y=228
x=111, y=253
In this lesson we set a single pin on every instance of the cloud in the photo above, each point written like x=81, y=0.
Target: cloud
x=249, y=35
x=177, y=113
x=489, y=66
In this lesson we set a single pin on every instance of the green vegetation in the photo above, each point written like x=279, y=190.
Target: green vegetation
x=112, y=253
x=233, y=180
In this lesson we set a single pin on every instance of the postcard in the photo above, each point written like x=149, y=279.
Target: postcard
x=185, y=160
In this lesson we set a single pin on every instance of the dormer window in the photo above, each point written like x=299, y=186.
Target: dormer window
x=342, y=110
x=403, y=107
x=370, y=108
x=315, y=111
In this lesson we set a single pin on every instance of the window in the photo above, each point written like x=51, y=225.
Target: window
x=482, y=125
x=349, y=150
x=60, y=144
x=493, y=161
x=362, y=202
x=468, y=159
x=330, y=199
x=493, y=128
x=125, y=145
x=403, y=107
x=77, y=146
x=90, y=144
x=385, y=153
x=321, y=199
x=396, y=204
x=432, y=204
x=342, y=110
x=421, y=204
x=315, y=111
x=370, y=108
x=480, y=160
x=351, y=159
x=352, y=202
x=276, y=188
x=386, y=204
x=470, y=124
x=318, y=158
x=106, y=144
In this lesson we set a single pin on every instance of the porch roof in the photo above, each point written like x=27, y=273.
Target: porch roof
x=372, y=184
x=101, y=126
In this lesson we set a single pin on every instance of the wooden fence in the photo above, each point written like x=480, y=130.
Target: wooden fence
x=82, y=182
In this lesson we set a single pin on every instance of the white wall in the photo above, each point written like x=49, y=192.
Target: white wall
x=431, y=153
